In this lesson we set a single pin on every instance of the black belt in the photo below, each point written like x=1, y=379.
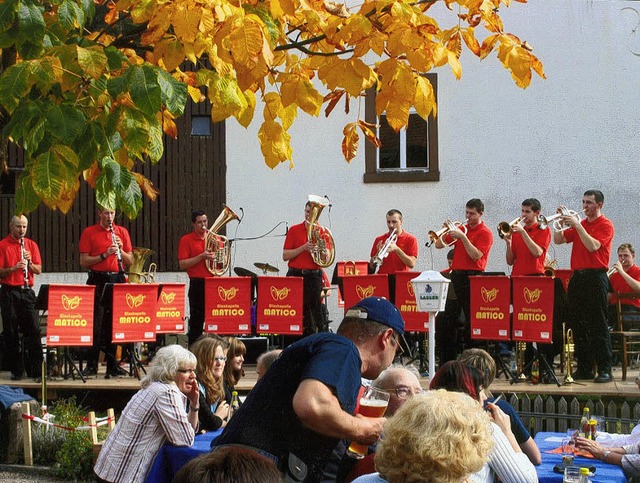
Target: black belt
x=7, y=288
x=103, y=274
x=586, y=271
x=305, y=272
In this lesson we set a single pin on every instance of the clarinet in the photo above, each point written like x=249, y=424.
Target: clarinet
x=118, y=252
x=25, y=285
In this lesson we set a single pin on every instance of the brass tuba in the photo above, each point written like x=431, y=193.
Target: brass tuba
x=136, y=270
x=324, y=252
x=219, y=244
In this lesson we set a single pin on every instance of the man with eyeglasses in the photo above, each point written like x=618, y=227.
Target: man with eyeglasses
x=401, y=383
x=312, y=390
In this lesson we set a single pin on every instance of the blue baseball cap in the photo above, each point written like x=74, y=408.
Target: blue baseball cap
x=379, y=310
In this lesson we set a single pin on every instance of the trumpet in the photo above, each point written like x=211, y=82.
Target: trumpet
x=384, y=250
x=611, y=271
x=554, y=220
x=505, y=228
x=568, y=348
x=449, y=225
x=23, y=254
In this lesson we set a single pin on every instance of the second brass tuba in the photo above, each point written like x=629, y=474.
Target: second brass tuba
x=219, y=244
x=136, y=270
x=324, y=253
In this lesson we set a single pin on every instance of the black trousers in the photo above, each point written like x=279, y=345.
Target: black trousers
x=314, y=318
x=588, y=316
x=462, y=286
x=103, y=319
x=196, y=309
x=19, y=315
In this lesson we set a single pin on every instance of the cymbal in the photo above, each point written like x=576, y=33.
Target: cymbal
x=243, y=272
x=265, y=267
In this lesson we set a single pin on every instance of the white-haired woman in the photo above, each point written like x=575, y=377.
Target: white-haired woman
x=156, y=414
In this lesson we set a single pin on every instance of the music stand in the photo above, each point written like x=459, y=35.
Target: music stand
x=545, y=368
x=69, y=366
x=135, y=364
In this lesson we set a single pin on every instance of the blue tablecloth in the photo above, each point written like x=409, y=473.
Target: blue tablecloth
x=171, y=458
x=605, y=473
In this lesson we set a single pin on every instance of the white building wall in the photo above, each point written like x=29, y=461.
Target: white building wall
x=574, y=131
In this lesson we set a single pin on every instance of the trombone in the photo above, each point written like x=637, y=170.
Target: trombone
x=554, y=220
x=384, y=250
x=449, y=225
x=505, y=228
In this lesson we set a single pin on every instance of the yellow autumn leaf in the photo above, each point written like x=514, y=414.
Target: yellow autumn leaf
x=168, y=124
x=245, y=40
x=369, y=131
x=146, y=185
x=425, y=100
x=468, y=34
x=350, y=141
x=195, y=94
x=185, y=20
x=456, y=66
x=517, y=60
x=246, y=115
x=301, y=92
x=275, y=144
x=171, y=52
x=226, y=98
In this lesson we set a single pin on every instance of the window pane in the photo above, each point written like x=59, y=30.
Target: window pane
x=390, y=149
x=201, y=126
x=8, y=183
x=417, y=142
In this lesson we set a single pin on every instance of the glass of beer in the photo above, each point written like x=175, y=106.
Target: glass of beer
x=373, y=404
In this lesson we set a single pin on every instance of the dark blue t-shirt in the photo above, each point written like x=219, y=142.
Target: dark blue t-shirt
x=267, y=420
x=517, y=427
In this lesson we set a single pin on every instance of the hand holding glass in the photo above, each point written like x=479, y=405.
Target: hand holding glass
x=373, y=404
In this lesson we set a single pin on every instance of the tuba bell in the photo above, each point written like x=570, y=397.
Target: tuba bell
x=219, y=244
x=136, y=270
x=324, y=252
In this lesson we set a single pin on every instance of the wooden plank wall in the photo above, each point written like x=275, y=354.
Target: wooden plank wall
x=191, y=175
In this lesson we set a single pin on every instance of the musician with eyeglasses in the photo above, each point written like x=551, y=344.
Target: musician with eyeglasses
x=106, y=251
x=472, y=246
x=19, y=262
x=389, y=256
x=591, y=241
x=192, y=257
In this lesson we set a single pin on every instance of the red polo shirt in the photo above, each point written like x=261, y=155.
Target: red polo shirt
x=11, y=253
x=525, y=263
x=481, y=238
x=189, y=246
x=96, y=240
x=392, y=262
x=296, y=237
x=619, y=284
x=602, y=230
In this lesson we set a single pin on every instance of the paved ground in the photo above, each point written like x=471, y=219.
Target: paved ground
x=21, y=474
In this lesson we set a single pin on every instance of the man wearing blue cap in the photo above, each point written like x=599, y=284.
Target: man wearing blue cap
x=303, y=405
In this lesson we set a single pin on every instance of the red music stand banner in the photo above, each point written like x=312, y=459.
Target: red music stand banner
x=490, y=307
x=134, y=312
x=70, y=315
x=358, y=287
x=350, y=267
x=170, y=309
x=414, y=321
x=564, y=274
x=280, y=305
x=533, y=309
x=227, y=305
